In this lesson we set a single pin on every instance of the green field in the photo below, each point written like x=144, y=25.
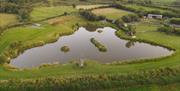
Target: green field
x=110, y=13
x=40, y=13
x=89, y=6
x=7, y=19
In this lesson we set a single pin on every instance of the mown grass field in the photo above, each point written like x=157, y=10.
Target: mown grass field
x=7, y=19
x=89, y=6
x=40, y=13
x=110, y=13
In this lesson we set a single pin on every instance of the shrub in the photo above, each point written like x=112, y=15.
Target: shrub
x=3, y=59
x=169, y=29
x=164, y=29
x=175, y=21
x=91, y=16
x=130, y=18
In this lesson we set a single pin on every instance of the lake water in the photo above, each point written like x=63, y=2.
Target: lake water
x=81, y=48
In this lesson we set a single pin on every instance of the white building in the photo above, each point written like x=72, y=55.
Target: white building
x=155, y=16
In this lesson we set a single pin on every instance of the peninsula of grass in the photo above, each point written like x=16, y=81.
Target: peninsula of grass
x=96, y=43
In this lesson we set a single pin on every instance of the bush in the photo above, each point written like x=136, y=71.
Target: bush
x=169, y=29
x=91, y=16
x=164, y=29
x=175, y=21
x=131, y=18
x=3, y=59
x=65, y=49
x=119, y=23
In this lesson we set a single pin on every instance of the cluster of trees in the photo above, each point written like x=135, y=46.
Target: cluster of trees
x=169, y=29
x=175, y=21
x=91, y=16
x=129, y=29
x=143, y=12
x=130, y=18
x=22, y=8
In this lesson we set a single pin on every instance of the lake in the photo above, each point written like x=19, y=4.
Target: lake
x=80, y=47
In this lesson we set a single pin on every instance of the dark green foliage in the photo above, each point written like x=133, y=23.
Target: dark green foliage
x=65, y=49
x=131, y=18
x=169, y=29
x=175, y=21
x=131, y=30
x=119, y=23
x=22, y=8
x=3, y=59
x=91, y=16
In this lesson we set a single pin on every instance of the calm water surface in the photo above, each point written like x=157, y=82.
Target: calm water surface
x=81, y=48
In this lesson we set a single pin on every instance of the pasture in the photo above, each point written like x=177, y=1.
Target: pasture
x=110, y=13
x=40, y=13
x=89, y=6
x=7, y=19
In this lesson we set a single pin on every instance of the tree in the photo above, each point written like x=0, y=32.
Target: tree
x=131, y=30
x=91, y=16
x=130, y=44
x=74, y=5
x=24, y=15
x=130, y=18
x=3, y=59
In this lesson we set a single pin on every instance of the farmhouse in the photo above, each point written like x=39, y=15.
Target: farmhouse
x=155, y=16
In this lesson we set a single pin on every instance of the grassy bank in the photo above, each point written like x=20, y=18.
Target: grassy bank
x=157, y=77
x=168, y=87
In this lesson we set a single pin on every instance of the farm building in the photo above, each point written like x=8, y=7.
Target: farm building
x=154, y=16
